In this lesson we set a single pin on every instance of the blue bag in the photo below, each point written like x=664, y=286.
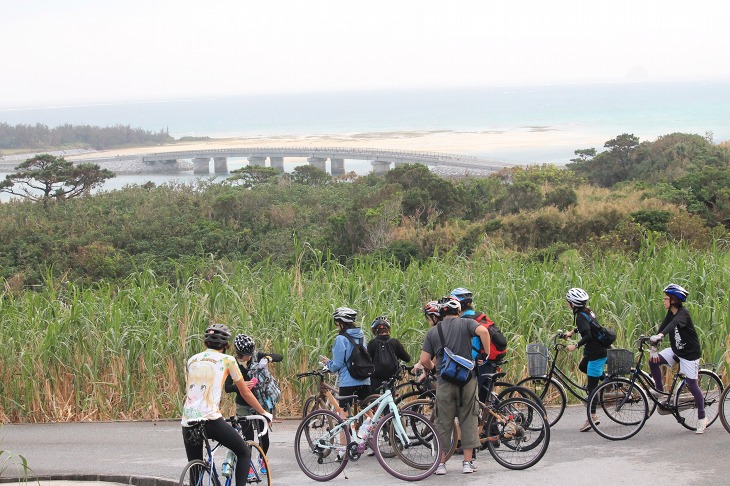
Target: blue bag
x=454, y=368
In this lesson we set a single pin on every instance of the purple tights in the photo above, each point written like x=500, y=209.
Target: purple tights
x=692, y=385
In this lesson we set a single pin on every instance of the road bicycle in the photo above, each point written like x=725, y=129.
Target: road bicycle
x=324, y=442
x=622, y=403
x=512, y=424
x=204, y=472
x=549, y=381
x=725, y=409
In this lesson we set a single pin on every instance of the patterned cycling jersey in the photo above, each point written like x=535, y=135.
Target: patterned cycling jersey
x=206, y=373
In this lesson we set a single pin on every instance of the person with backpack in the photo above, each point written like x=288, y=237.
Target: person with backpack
x=385, y=352
x=449, y=342
x=594, y=352
x=498, y=343
x=684, y=348
x=252, y=365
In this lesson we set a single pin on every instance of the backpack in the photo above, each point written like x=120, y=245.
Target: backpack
x=498, y=343
x=359, y=364
x=604, y=335
x=384, y=359
x=267, y=390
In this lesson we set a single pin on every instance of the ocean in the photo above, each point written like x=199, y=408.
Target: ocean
x=573, y=116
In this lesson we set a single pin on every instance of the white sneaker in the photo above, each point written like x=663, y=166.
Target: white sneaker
x=441, y=470
x=701, y=426
x=467, y=467
x=473, y=463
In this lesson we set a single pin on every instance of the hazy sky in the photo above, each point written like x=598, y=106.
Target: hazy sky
x=56, y=52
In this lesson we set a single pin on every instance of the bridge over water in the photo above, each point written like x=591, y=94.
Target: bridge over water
x=380, y=159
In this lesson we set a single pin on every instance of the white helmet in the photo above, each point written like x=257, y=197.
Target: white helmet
x=344, y=314
x=577, y=297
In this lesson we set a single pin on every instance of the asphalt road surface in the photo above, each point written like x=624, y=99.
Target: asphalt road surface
x=663, y=453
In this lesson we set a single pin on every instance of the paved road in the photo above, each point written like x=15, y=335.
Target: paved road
x=662, y=453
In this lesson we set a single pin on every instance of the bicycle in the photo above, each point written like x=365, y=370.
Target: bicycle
x=622, y=404
x=725, y=408
x=204, y=472
x=513, y=426
x=326, y=396
x=551, y=382
x=323, y=445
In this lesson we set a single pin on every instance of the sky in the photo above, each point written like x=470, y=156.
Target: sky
x=58, y=53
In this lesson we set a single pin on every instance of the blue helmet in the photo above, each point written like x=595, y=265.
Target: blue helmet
x=462, y=294
x=677, y=291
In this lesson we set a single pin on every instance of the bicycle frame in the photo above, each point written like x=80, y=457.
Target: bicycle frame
x=556, y=373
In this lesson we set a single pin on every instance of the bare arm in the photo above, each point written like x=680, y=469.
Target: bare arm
x=426, y=361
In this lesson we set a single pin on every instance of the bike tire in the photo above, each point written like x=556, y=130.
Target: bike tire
x=316, y=451
x=196, y=473
x=413, y=461
x=684, y=405
x=522, y=433
x=259, y=466
x=520, y=391
x=309, y=405
x=725, y=409
x=551, y=394
x=648, y=381
x=621, y=409
x=426, y=407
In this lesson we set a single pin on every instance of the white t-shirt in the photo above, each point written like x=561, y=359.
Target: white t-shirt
x=206, y=373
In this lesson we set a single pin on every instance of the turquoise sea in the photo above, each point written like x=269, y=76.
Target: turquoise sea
x=595, y=112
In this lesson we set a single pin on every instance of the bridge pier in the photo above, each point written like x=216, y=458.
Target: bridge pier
x=337, y=166
x=201, y=165
x=318, y=162
x=380, y=167
x=220, y=165
x=277, y=163
x=258, y=161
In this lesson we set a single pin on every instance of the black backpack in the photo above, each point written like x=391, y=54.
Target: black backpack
x=384, y=359
x=359, y=364
x=604, y=335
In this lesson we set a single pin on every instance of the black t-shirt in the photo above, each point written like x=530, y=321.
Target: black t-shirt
x=682, y=334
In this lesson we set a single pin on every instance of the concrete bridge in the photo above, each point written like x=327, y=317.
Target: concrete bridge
x=381, y=160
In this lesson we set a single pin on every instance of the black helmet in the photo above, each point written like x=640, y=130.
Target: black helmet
x=217, y=335
x=380, y=321
x=244, y=345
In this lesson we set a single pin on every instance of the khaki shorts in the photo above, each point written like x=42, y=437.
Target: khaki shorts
x=453, y=402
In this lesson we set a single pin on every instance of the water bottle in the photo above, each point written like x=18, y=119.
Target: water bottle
x=364, y=431
x=228, y=463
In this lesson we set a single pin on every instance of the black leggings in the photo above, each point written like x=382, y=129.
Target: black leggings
x=592, y=380
x=249, y=431
x=222, y=432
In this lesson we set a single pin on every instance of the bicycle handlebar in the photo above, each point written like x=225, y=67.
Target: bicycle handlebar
x=321, y=373
x=252, y=418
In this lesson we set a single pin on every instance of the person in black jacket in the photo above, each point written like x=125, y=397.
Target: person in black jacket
x=246, y=355
x=594, y=353
x=383, y=343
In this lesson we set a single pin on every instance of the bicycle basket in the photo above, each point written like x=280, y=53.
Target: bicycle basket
x=620, y=361
x=537, y=359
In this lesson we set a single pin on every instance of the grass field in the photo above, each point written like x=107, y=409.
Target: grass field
x=118, y=352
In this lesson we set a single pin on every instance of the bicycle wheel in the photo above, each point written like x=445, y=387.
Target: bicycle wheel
x=518, y=433
x=725, y=409
x=621, y=409
x=309, y=405
x=196, y=473
x=551, y=394
x=316, y=447
x=258, y=471
x=647, y=381
x=684, y=401
x=522, y=392
x=426, y=407
x=418, y=456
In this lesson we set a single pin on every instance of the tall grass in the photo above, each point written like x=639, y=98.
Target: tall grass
x=118, y=352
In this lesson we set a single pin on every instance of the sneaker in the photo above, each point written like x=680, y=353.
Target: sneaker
x=473, y=465
x=701, y=426
x=595, y=419
x=341, y=451
x=441, y=470
x=251, y=474
x=586, y=427
x=466, y=467
x=262, y=465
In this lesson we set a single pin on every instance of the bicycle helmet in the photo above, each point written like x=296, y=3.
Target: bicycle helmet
x=450, y=304
x=217, y=335
x=244, y=345
x=677, y=291
x=380, y=321
x=464, y=295
x=577, y=297
x=432, y=308
x=344, y=314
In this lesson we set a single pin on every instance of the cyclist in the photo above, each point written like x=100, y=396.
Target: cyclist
x=432, y=312
x=206, y=373
x=247, y=356
x=684, y=347
x=594, y=353
x=392, y=348
x=344, y=319
x=452, y=400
